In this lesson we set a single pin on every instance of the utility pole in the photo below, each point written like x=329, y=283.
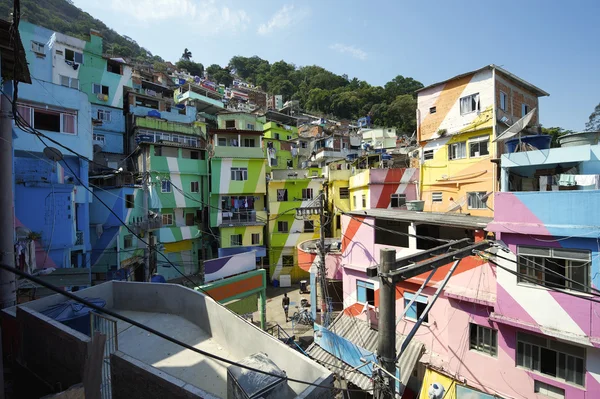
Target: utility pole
x=386, y=347
x=322, y=270
x=146, y=221
x=8, y=295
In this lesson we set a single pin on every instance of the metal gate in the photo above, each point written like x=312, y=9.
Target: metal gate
x=107, y=326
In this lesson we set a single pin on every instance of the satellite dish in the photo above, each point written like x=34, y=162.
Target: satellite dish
x=436, y=391
x=53, y=154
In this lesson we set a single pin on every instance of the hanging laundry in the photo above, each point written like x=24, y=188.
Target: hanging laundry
x=586, y=180
x=99, y=230
x=566, y=180
x=294, y=151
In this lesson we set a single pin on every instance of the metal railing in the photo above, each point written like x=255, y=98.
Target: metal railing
x=108, y=327
x=79, y=238
x=240, y=216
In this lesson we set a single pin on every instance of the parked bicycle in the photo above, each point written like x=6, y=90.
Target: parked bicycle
x=302, y=317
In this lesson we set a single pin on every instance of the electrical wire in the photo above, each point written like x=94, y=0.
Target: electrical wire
x=154, y=331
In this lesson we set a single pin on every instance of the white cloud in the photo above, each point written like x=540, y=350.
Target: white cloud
x=280, y=20
x=206, y=15
x=353, y=51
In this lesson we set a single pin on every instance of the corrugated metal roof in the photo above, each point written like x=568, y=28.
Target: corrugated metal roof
x=360, y=333
x=444, y=219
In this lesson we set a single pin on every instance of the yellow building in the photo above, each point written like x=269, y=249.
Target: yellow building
x=338, y=193
x=457, y=121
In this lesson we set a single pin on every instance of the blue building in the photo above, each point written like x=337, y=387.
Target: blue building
x=51, y=197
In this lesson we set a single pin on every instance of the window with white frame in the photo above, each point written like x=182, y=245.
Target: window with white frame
x=364, y=201
x=282, y=226
x=457, y=150
x=469, y=104
x=104, y=115
x=524, y=109
x=99, y=89
x=309, y=226
x=483, y=339
x=475, y=200
x=167, y=219
x=552, y=358
x=249, y=142
x=554, y=267
x=194, y=187
x=417, y=308
x=222, y=142
x=49, y=119
x=255, y=238
x=69, y=82
x=479, y=146
x=437, y=196
x=307, y=193
x=165, y=186
x=503, y=101
x=427, y=155
x=250, y=126
x=547, y=390
x=236, y=240
x=239, y=174
x=73, y=56
x=99, y=138
x=37, y=47
x=365, y=292
x=397, y=200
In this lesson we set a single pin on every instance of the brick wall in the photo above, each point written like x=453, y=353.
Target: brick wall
x=517, y=95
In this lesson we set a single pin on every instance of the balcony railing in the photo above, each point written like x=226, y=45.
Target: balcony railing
x=79, y=238
x=139, y=224
x=239, y=216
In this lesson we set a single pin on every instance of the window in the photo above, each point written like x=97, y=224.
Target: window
x=129, y=200
x=475, y=200
x=255, y=238
x=128, y=241
x=503, y=101
x=48, y=119
x=469, y=104
x=282, y=227
x=250, y=126
x=432, y=110
x=479, y=146
x=338, y=221
x=194, y=187
x=551, y=267
x=344, y=193
x=276, y=136
x=309, y=226
x=99, y=89
x=397, y=200
x=194, y=155
x=287, y=260
x=289, y=137
x=239, y=174
x=104, y=115
x=37, y=47
x=230, y=124
x=236, y=239
x=344, y=145
x=365, y=292
x=167, y=219
x=157, y=151
x=355, y=200
x=437, y=196
x=282, y=195
x=524, y=109
x=189, y=219
x=113, y=67
x=364, y=201
x=483, y=339
x=417, y=308
x=548, y=390
x=552, y=358
x=165, y=186
x=427, y=155
x=99, y=138
x=69, y=82
x=222, y=142
x=249, y=142
x=73, y=56
x=457, y=150
x=303, y=144
x=307, y=193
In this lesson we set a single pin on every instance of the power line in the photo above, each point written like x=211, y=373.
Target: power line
x=155, y=332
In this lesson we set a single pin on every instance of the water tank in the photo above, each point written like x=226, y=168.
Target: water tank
x=538, y=141
x=245, y=384
x=436, y=391
x=575, y=139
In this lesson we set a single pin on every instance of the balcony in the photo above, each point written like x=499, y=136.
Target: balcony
x=167, y=126
x=139, y=224
x=242, y=217
x=206, y=100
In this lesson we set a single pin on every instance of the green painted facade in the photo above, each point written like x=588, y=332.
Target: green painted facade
x=279, y=135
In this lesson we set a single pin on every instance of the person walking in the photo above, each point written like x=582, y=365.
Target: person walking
x=285, y=302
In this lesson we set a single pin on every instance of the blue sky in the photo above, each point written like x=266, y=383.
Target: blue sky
x=552, y=44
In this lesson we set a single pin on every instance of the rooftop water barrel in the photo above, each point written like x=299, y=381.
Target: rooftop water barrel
x=575, y=139
x=538, y=141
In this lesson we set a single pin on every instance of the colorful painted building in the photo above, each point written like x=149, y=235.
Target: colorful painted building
x=338, y=193
x=383, y=188
x=51, y=199
x=289, y=190
x=172, y=161
x=238, y=211
x=545, y=319
x=457, y=122
x=280, y=150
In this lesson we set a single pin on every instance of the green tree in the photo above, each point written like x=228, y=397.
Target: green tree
x=194, y=68
x=401, y=85
x=556, y=133
x=401, y=113
x=219, y=75
x=187, y=55
x=593, y=124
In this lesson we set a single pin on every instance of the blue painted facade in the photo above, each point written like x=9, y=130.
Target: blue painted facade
x=112, y=132
x=172, y=116
x=50, y=201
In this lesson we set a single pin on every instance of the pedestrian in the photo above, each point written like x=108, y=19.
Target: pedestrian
x=285, y=302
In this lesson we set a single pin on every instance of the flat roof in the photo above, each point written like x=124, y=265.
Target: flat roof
x=535, y=89
x=437, y=218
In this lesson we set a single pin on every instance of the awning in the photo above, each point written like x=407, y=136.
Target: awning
x=364, y=338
